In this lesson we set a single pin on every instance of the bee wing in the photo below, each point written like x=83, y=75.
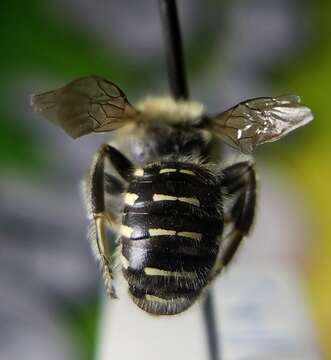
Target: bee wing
x=257, y=121
x=89, y=104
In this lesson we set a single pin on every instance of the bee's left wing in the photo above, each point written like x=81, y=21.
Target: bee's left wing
x=257, y=121
x=89, y=104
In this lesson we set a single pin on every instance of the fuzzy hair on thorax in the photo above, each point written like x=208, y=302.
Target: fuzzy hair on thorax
x=170, y=110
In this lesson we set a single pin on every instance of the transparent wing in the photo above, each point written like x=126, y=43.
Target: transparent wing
x=257, y=121
x=89, y=104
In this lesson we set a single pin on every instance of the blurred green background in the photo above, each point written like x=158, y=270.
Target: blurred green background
x=45, y=44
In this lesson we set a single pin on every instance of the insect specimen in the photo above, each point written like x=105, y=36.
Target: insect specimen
x=180, y=214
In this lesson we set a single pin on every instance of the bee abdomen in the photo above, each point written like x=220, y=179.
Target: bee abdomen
x=167, y=304
x=169, y=236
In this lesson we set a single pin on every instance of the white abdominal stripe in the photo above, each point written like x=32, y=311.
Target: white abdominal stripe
x=190, y=200
x=167, y=170
x=159, y=272
x=183, y=171
x=160, y=232
x=128, y=231
x=141, y=172
x=131, y=198
x=158, y=299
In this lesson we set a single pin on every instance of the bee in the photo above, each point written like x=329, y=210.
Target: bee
x=179, y=212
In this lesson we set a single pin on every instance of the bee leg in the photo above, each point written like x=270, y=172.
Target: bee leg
x=239, y=183
x=122, y=164
x=113, y=186
x=99, y=216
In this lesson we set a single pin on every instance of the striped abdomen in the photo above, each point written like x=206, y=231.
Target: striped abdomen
x=171, y=221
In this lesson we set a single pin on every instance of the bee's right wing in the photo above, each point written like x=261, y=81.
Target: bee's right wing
x=89, y=104
x=260, y=120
